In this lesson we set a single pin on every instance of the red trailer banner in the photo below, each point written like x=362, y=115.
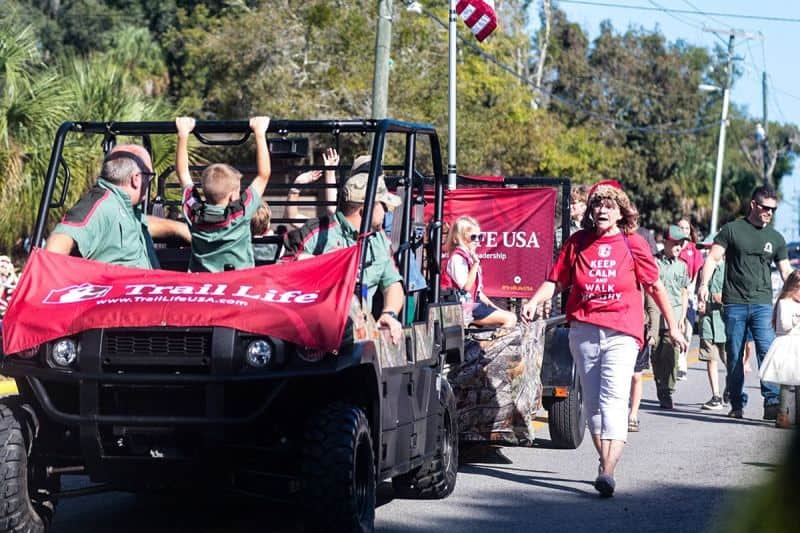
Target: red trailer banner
x=303, y=302
x=517, y=234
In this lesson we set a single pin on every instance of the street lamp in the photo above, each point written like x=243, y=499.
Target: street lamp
x=726, y=95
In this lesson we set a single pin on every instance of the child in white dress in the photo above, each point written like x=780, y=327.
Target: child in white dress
x=786, y=320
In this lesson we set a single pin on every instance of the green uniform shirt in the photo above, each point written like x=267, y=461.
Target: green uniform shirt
x=674, y=274
x=331, y=233
x=227, y=242
x=749, y=251
x=106, y=227
x=713, y=327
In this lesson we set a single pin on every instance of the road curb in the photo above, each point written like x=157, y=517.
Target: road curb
x=8, y=387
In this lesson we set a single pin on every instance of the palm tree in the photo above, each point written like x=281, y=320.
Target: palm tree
x=36, y=98
x=32, y=104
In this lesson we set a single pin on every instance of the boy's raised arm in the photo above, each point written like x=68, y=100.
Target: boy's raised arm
x=259, y=126
x=185, y=126
x=331, y=158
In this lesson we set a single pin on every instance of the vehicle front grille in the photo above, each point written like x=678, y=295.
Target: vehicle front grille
x=157, y=348
x=178, y=343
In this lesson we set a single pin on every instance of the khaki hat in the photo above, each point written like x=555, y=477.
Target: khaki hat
x=354, y=189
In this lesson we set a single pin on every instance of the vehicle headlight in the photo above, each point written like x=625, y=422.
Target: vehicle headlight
x=259, y=353
x=64, y=352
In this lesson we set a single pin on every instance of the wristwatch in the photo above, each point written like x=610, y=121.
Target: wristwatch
x=390, y=313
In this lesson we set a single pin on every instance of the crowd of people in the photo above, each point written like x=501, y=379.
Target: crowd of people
x=9, y=276
x=631, y=303
x=721, y=289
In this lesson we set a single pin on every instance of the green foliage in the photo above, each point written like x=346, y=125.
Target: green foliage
x=608, y=108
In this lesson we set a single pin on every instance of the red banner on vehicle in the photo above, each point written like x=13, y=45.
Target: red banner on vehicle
x=303, y=302
x=517, y=229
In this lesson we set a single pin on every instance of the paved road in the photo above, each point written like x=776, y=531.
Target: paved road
x=680, y=473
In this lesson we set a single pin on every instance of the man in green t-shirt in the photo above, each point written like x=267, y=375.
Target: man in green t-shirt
x=749, y=245
x=331, y=232
x=107, y=224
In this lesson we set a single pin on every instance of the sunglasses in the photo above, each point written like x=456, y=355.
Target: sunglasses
x=767, y=207
x=475, y=237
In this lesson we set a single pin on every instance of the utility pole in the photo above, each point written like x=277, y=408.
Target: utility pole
x=723, y=124
x=383, y=45
x=451, y=96
x=544, y=39
x=765, y=140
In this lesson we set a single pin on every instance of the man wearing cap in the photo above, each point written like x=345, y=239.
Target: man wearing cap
x=750, y=245
x=674, y=274
x=331, y=232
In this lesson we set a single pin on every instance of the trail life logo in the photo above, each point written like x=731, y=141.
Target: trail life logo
x=768, y=248
x=76, y=293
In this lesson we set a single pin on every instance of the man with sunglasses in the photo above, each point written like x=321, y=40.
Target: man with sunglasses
x=107, y=224
x=749, y=245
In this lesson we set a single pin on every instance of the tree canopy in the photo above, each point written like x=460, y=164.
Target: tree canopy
x=623, y=106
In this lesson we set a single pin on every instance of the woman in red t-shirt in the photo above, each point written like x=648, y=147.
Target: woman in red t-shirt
x=604, y=265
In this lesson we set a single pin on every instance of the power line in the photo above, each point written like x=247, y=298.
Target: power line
x=676, y=17
x=688, y=3
x=664, y=129
x=685, y=11
x=790, y=95
x=775, y=98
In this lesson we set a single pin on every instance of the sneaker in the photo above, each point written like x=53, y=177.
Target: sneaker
x=771, y=412
x=605, y=485
x=666, y=402
x=714, y=404
x=736, y=413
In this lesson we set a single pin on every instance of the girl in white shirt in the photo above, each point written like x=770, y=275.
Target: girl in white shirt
x=785, y=318
x=464, y=269
x=787, y=309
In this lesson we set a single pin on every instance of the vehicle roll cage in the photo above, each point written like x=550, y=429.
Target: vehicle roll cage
x=378, y=128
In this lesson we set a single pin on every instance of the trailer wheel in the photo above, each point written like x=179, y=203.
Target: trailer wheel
x=437, y=478
x=566, y=418
x=339, y=471
x=26, y=501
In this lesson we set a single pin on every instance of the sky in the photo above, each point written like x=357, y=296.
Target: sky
x=778, y=58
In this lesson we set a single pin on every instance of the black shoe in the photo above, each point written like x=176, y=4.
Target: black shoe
x=771, y=412
x=666, y=402
x=714, y=404
x=736, y=413
x=605, y=485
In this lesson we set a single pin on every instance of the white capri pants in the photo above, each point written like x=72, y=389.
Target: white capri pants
x=605, y=359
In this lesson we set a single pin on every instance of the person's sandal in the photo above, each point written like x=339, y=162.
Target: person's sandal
x=633, y=425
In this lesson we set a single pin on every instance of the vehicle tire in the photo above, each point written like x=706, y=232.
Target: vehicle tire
x=437, y=478
x=567, y=420
x=339, y=470
x=26, y=501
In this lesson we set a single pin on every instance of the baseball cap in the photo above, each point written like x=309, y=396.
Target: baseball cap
x=354, y=189
x=675, y=233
